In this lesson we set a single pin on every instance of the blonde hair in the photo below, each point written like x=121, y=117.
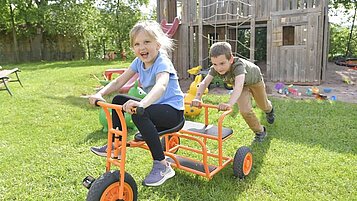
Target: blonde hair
x=221, y=48
x=153, y=29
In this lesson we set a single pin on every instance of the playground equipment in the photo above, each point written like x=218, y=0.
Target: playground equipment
x=191, y=93
x=138, y=92
x=349, y=62
x=134, y=91
x=170, y=29
x=120, y=185
x=108, y=75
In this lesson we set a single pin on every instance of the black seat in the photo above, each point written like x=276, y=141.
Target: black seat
x=139, y=137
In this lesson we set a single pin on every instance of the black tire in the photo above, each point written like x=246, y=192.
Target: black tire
x=243, y=162
x=109, y=181
x=173, y=140
x=227, y=86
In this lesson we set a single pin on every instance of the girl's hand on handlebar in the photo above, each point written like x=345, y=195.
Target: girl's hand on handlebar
x=224, y=106
x=130, y=106
x=196, y=103
x=93, y=98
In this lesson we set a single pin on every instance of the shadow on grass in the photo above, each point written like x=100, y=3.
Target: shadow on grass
x=96, y=136
x=75, y=101
x=66, y=64
x=223, y=186
x=331, y=126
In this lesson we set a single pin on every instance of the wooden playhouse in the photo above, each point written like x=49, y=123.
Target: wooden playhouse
x=296, y=34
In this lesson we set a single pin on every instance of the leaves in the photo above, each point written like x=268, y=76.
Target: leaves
x=103, y=25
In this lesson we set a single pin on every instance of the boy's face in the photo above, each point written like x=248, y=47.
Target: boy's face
x=221, y=64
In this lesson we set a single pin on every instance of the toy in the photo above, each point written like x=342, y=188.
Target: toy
x=134, y=91
x=218, y=82
x=103, y=120
x=120, y=185
x=279, y=86
x=194, y=70
x=191, y=93
x=138, y=92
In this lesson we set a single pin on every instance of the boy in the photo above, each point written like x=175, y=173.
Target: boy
x=247, y=80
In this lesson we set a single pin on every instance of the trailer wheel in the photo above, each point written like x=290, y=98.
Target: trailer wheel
x=243, y=162
x=173, y=141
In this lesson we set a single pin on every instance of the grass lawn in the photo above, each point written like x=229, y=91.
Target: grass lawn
x=47, y=130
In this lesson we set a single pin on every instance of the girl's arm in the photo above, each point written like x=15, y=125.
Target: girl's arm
x=113, y=86
x=162, y=80
x=118, y=83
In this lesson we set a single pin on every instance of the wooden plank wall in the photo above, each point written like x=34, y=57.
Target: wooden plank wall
x=300, y=63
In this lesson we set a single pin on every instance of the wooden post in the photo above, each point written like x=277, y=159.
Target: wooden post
x=252, y=30
x=200, y=32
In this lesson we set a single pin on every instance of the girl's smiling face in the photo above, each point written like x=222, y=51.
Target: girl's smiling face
x=146, y=48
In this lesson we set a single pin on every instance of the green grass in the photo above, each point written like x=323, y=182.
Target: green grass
x=47, y=129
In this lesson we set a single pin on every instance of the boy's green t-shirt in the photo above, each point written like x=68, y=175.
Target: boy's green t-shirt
x=240, y=66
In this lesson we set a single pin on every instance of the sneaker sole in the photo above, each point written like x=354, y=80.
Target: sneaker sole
x=166, y=177
x=101, y=154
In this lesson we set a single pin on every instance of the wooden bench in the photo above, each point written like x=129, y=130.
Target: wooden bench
x=4, y=78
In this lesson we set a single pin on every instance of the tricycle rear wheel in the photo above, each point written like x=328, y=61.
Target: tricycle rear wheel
x=106, y=187
x=173, y=141
x=243, y=162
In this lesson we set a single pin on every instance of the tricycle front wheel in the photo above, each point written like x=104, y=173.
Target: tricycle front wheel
x=243, y=162
x=106, y=188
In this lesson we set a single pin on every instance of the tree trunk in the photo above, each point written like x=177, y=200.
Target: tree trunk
x=16, y=47
x=350, y=36
x=88, y=48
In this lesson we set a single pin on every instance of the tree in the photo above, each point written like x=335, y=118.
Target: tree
x=348, y=5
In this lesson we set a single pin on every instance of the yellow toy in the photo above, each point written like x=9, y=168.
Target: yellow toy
x=191, y=93
x=194, y=70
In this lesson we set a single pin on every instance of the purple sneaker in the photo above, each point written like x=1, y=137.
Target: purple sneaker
x=159, y=174
x=102, y=151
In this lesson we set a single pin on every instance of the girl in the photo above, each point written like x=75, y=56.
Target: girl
x=164, y=102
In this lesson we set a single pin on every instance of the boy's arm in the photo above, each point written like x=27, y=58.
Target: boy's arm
x=202, y=86
x=237, y=89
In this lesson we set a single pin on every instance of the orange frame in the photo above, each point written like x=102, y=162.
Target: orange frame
x=194, y=136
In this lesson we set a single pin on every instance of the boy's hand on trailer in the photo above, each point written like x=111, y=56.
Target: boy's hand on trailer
x=196, y=103
x=224, y=107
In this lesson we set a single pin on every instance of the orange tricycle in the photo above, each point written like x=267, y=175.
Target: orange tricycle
x=191, y=155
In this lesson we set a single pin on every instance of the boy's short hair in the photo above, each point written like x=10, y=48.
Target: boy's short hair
x=221, y=48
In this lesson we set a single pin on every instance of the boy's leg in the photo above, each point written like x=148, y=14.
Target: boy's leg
x=260, y=96
x=246, y=110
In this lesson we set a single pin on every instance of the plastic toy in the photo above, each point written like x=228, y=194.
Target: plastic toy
x=120, y=185
x=138, y=92
x=103, y=120
x=218, y=82
x=194, y=70
x=191, y=93
x=134, y=91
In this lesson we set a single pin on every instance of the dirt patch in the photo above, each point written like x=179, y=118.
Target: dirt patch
x=341, y=80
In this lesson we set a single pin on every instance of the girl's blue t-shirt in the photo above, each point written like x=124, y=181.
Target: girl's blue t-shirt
x=173, y=95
